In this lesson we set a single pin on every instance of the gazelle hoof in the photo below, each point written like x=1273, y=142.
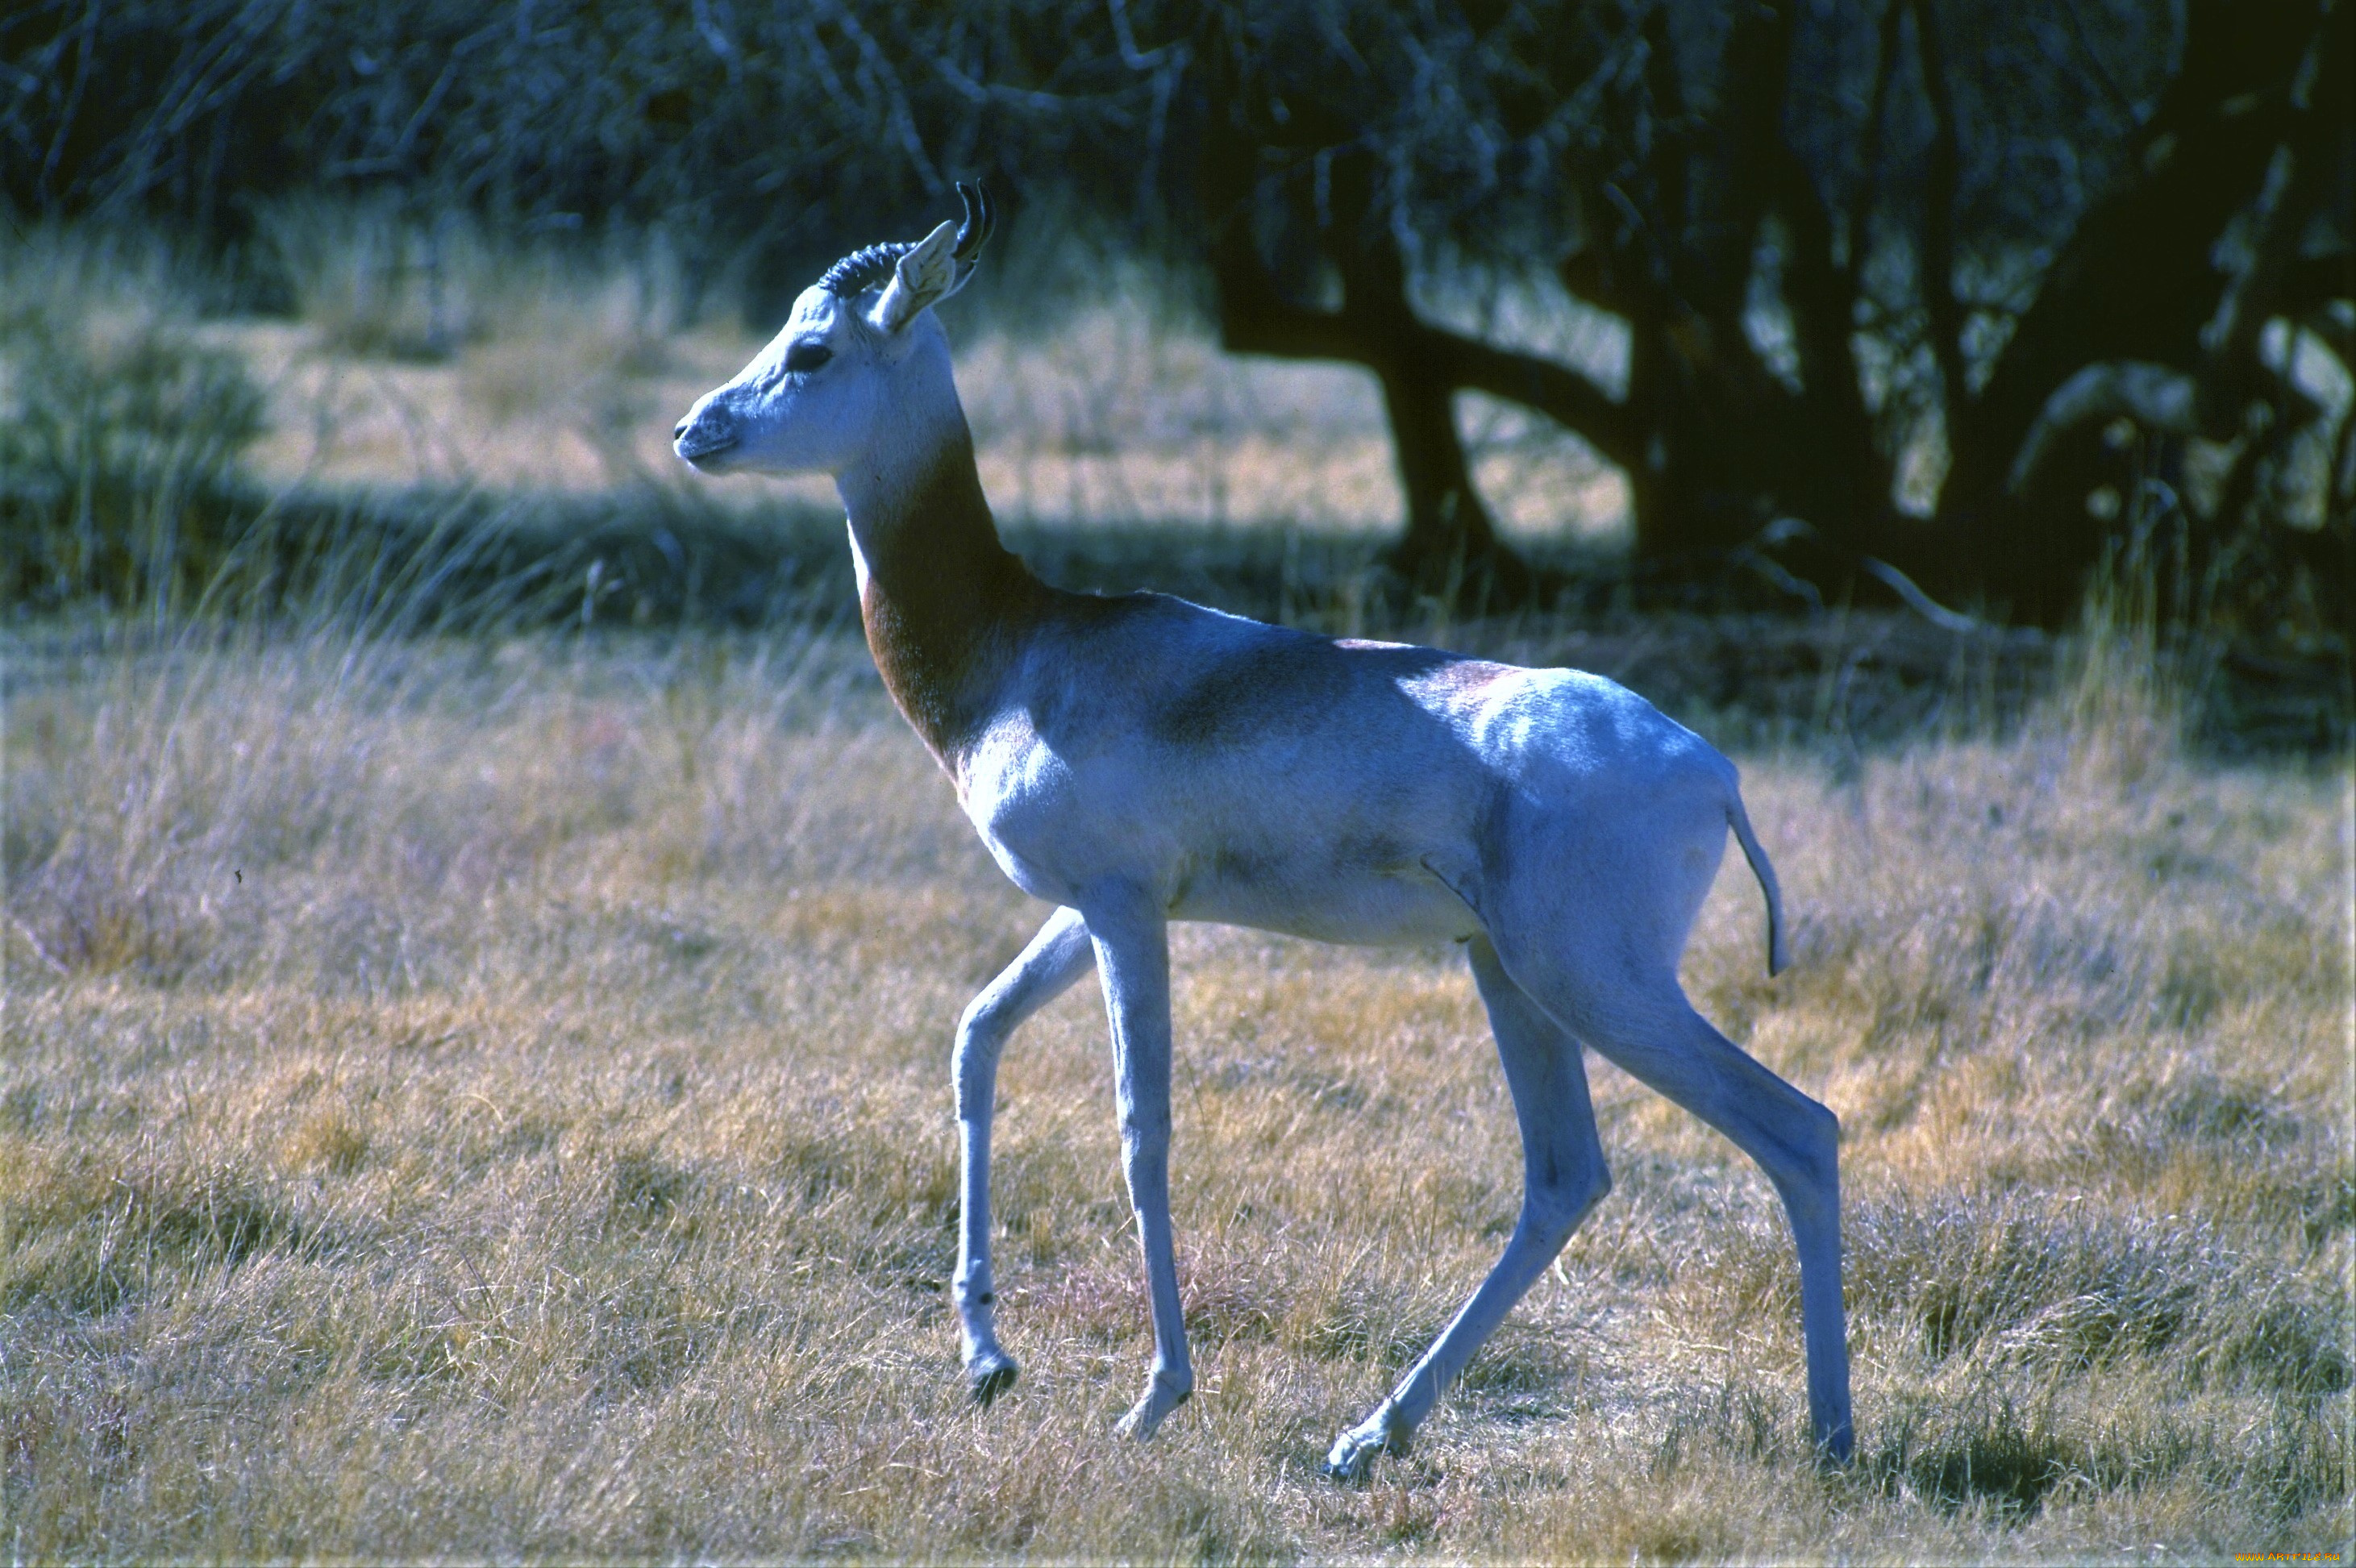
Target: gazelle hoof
x=987, y=1377
x=1353, y=1455
x=1147, y=1413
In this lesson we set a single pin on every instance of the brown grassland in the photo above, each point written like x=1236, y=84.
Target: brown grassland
x=488, y=1098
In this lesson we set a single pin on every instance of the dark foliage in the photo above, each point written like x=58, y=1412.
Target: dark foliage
x=120, y=471
x=2075, y=244
x=789, y=132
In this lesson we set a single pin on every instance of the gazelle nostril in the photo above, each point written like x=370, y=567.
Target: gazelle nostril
x=679, y=430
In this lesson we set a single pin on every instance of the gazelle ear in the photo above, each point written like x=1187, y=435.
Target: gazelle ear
x=927, y=273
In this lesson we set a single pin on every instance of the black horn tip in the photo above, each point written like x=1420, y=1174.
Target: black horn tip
x=979, y=219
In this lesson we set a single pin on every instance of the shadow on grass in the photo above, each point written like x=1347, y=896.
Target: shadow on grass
x=1992, y=1459
x=87, y=1260
x=1714, y=643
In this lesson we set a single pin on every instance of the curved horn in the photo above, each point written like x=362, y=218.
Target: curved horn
x=979, y=219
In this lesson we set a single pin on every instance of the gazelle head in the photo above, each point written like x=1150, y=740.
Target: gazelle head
x=830, y=386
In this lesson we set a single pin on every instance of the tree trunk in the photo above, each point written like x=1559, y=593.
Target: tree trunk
x=2136, y=284
x=1449, y=549
x=1728, y=446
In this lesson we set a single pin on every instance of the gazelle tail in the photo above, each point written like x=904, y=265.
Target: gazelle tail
x=1779, y=957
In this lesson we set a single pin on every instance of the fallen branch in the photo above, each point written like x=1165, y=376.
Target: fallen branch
x=1922, y=603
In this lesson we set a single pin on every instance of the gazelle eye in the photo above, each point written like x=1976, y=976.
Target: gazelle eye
x=804, y=357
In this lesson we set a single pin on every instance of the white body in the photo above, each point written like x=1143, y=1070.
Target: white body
x=1349, y=792
x=1139, y=760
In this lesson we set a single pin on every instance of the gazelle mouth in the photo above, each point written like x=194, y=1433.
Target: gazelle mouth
x=699, y=456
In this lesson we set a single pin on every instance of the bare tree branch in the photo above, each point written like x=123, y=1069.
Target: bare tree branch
x=1254, y=319
x=1935, y=261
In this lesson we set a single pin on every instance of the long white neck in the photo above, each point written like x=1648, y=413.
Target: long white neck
x=944, y=605
x=926, y=434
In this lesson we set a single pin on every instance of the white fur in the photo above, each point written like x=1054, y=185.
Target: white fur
x=1172, y=762
x=920, y=280
x=769, y=420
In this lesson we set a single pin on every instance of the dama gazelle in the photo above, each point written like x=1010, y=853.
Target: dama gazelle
x=1138, y=760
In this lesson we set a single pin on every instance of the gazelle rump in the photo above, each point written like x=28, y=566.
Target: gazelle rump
x=1137, y=760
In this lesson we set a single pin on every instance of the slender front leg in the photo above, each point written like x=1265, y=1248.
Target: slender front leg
x=1058, y=955
x=1133, y=963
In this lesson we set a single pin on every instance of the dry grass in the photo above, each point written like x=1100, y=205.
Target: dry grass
x=1117, y=417
x=491, y=1100
x=427, y=352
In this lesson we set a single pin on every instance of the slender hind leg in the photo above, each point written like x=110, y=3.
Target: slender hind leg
x=1644, y=1023
x=1563, y=1177
x=1058, y=955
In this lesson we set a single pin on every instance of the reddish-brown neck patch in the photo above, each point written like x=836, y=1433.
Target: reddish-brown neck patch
x=947, y=606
